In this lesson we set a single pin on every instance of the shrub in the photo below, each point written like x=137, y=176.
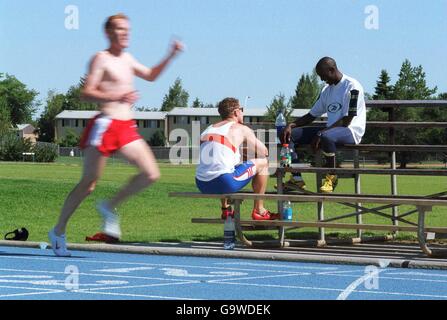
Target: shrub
x=12, y=147
x=45, y=152
x=158, y=139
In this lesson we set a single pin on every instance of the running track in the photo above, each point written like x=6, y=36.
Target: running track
x=36, y=274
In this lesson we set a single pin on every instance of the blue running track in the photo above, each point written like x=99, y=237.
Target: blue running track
x=36, y=274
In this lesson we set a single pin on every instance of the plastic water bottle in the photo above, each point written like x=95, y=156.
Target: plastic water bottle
x=287, y=211
x=229, y=234
x=280, y=124
x=285, y=156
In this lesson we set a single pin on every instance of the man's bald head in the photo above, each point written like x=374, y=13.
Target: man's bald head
x=325, y=63
x=328, y=71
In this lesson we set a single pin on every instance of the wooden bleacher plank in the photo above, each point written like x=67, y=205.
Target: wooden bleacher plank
x=396, y=148
x=402, y=200
x=407, y=172
x=329, y=225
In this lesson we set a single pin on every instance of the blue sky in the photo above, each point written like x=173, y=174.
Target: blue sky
x=239, y=48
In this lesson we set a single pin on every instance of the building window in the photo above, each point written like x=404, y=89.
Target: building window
x=183, y=120
x=84, y=123
x=76, y=123
x=175, y=120
x=63, y=122
x=158, y=123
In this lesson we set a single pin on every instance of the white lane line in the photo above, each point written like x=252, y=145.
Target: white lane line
x=388, y=278
x=139, y=295
x=124, y=270
x=28, y=294
x=24, y=277
x=72, y=260
x=261, y=277
x=275, y=266
x=139, y=286
x=27, y=288
x=334, y=289
x=92, y=274
x=174, y=272
x=334, y=273
x=418, y=274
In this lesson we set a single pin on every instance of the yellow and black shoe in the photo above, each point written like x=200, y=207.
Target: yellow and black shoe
x=329, y=184
x=293, y=185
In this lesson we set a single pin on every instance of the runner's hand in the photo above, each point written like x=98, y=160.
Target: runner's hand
x=176, y=47
x=130, y=97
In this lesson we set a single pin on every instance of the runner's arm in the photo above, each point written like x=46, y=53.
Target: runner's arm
x=254, y=146
x=151, y=74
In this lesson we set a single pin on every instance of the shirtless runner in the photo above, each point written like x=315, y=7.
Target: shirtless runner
x=110, y=84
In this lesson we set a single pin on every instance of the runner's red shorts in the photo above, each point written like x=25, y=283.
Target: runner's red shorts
x=109, y=135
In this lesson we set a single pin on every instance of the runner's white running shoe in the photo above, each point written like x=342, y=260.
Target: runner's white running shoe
x=58, y=244
x=111, y=225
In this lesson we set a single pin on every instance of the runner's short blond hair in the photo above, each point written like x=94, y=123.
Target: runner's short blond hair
x=109, y=22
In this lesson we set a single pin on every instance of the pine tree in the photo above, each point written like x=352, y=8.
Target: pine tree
x=306, y=92
x=278, y=104
x=177, y=97
x=197, y=103
x=383, y=90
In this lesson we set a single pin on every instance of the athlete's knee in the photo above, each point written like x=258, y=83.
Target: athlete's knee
x=87, y=184
x=91, y=187
x=327, y=138
x=151, y=177
x=262, y=163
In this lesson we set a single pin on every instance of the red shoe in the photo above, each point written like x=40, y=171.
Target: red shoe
x=102, y=237
x=227, y=212
x=267, y=215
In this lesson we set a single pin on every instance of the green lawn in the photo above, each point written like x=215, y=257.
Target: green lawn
x=32, y=195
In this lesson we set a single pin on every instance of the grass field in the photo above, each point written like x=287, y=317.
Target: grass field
x=31, y=196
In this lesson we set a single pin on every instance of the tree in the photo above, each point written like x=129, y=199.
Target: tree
x=58, y=102
x=383, y=90
x=177, y=97
x=197, y=104
x=306, y=92
x=5, y=120
x=411, y=85
x=278, y=104
x=71, y=139
x=146, y=109
x=47, y=121
x=73, y=99
x=18, y=102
